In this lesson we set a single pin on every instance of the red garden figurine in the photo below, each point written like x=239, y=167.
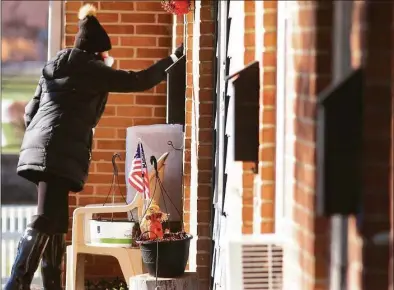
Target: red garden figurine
x=154, y=219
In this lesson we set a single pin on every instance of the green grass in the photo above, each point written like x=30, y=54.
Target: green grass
x=17, y=95
x=17, y=79
x=14, y=142
x=16, y=88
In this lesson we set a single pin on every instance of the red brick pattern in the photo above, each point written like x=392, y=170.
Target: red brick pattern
x=268, y=115
x=378, y=124
x=178, y=30
x=198, y=134
x=248, y=168
x=141, y=33
x=260, y=44
x=188, y=120
x=311, y=31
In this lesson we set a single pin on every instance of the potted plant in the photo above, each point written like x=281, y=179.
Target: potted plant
x=164, y=253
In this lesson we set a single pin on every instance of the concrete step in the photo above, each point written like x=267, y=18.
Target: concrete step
x=189, y=281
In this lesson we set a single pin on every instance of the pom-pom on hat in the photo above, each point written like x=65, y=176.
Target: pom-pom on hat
x=91, y=35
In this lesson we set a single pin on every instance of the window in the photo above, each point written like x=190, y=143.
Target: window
x=31, y=32
x=55, y=24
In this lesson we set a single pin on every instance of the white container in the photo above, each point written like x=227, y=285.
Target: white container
x=111, y=233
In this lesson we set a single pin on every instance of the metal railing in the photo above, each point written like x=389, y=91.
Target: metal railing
x=13, y=223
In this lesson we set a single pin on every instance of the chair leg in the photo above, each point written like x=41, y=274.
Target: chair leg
x=75, y=281
x=70, y=274
x=80, y=271
x=130, y=265
x=126, y=268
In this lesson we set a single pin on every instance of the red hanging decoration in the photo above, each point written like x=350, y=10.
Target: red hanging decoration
x=177, y=7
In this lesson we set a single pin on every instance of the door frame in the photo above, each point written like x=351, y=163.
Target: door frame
x=55, y=27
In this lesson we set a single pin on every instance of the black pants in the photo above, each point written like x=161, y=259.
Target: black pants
x=52, y=210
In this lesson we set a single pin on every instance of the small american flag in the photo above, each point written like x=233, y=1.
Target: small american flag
x=138, y=176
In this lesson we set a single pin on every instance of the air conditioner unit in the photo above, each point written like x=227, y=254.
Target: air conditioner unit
x=255, y=262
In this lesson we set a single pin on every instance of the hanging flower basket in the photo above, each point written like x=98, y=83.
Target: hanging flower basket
x=164, y=253
x=111, y=232
x=166, y=257
x=177, y=7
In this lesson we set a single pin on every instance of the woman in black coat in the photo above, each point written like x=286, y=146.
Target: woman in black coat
x=56, y=150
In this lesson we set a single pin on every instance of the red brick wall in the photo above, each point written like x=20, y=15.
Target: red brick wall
x=368, y=263
x=378, y=122
x=260, y=45
x=372, y=47
x=178, y=29
x=141, y=33
x=308, y=73
x=133, y=26
x=188, y=118
x=268, y=114
x=198, y=137
x=248, y=167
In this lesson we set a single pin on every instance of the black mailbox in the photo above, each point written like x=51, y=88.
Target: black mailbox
x=246, y=113
x=339, y=146
x=176, y=90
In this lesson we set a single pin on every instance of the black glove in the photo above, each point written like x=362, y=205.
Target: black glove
x=179, y=51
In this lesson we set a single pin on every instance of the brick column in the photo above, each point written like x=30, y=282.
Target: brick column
x=178, y=31
x=248, y=167
x=198, y=136
x=260, y=22
x=308, y=73
x=141, y=33
x=265, y=53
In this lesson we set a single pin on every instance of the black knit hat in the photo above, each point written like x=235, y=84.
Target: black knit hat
x=91, y=35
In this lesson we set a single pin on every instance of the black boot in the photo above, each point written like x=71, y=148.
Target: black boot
x=30, y=249
x=51, y=262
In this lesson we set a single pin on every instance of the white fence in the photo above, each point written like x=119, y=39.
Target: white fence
x=13, y=223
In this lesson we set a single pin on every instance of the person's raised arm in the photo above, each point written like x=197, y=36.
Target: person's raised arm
x=113, y=80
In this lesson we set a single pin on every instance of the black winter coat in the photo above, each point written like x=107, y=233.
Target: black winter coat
x=70, y=98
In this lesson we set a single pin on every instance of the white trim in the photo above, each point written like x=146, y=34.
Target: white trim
x=341, y=65
x=55, y=24
x=174, y=57
x=280, y=117
x=174, y=35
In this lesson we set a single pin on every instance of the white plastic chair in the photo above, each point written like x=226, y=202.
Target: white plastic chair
x=130, y=259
